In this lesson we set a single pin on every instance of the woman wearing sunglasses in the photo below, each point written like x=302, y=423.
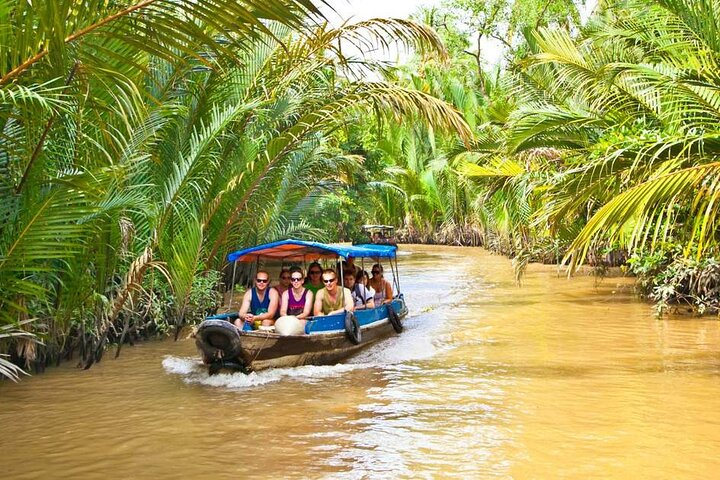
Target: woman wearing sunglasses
x=314, y=281
x=383, y=289
x=283, y=283
x=297, y=300
x=330, y=299
x=259, y=303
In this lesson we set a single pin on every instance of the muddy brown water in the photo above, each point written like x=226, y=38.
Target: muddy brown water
x=555, y=379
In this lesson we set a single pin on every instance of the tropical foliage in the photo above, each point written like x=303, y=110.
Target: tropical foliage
x=593, y=144
x=631, y=108
x=427, y=182
x=143, y=140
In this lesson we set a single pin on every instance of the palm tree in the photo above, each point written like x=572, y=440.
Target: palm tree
x=73, y=84
x=166, y=157
x=415, y=184
x=665, y=84
x=631, y=107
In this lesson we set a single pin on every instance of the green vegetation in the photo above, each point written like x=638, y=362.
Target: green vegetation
x=141, y=141
x=593, y=143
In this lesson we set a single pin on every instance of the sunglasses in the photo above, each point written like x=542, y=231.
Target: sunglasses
x=325, y=280
x=284, y=278
x=295, y=279
x=315, y=272
x=375, y=272
x=262, y=280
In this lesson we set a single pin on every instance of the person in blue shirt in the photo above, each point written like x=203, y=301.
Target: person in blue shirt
x=259, y=303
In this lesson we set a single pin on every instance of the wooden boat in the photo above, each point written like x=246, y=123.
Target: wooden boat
x=327, y=339
x=380, y=234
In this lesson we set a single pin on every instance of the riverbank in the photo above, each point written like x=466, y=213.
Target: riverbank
x=75, y=355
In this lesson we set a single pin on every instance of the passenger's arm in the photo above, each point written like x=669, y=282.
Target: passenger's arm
x=318, y=303
x=284, y=302
x=349, y=304
x=388, y=292
x=366, y=297
x=307, y=311
x=243, y=314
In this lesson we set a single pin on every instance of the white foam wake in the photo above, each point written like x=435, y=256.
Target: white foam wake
x=193, y=371
x=423, y=338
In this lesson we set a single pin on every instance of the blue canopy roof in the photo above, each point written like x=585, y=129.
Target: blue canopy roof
x=300, y=250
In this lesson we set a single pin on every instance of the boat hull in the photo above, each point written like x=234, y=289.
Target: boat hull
x=326, y=342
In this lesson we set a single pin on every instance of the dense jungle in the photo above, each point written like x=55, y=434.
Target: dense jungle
x=143, y=140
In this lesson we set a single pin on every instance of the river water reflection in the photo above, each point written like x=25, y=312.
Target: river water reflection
x=555, y=379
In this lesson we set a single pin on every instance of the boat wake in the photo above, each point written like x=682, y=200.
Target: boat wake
x=193, y=371
x=422, y=339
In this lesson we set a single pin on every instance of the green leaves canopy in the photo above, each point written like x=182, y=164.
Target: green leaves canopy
x=159, y=134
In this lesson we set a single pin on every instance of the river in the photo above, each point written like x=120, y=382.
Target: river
x=557, y=378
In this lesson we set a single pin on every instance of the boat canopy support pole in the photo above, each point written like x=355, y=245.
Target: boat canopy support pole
x=396, y=274
x=257, y=269
x=342, y=281
x=232, y=285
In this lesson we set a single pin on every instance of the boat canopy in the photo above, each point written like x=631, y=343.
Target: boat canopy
x=372, y=228
x=300, y=250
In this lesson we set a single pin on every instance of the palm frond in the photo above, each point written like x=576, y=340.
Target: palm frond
x=642, y=203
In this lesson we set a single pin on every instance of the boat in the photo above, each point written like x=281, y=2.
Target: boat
x=380, y=234
x=327, y=339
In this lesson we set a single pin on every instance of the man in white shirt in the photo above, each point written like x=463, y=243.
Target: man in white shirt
x=362, y=298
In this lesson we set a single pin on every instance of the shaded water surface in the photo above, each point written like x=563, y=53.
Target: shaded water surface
x=555, y=379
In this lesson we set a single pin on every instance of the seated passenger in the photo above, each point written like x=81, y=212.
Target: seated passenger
x=331, y=299
x=364, y=278
x=383, y=289
x=297, y=300
x=348, y=265
x=362, y=298
x=259, y=303
x=284, y=282
x=314, y=281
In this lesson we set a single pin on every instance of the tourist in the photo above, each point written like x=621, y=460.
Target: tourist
x=331, y=299
x=347, y=266
x=284, y=282
x=259, y=303
x=363, y=278
x=314, y=281
x=383, y=289
x=362, y=298
x=297, y=300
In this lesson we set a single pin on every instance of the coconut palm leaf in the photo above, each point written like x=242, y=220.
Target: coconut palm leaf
x=184, y=257
x=381, y=34
x=495, y=168
x=645, y=202
x=164, y=28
